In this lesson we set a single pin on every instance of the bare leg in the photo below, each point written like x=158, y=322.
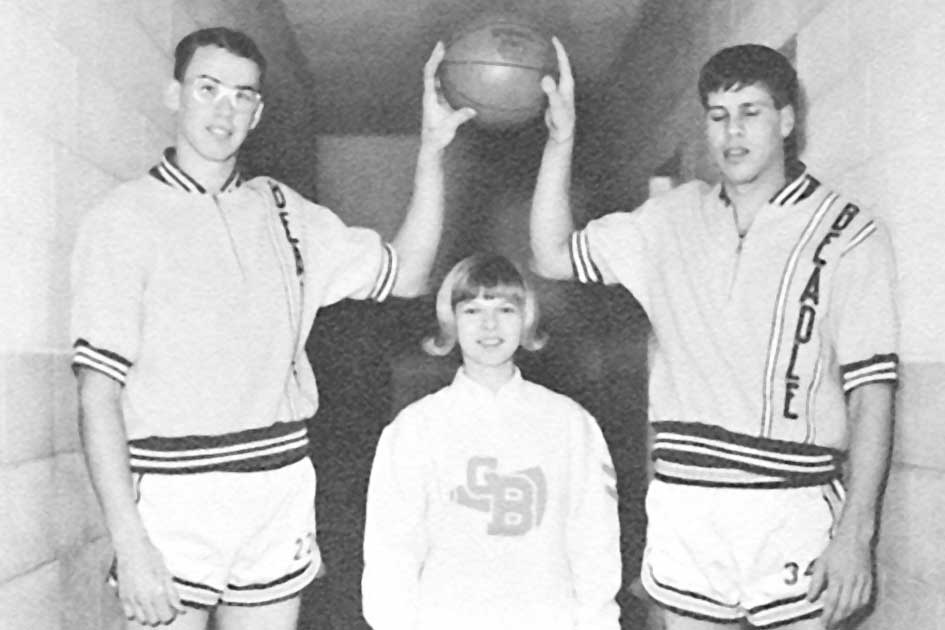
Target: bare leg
x=282, y=615
x=807, y=624
x=193, y=619
x=675, y=621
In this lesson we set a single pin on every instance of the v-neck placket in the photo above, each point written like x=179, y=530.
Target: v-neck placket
x=169, y=173
x=744, y=246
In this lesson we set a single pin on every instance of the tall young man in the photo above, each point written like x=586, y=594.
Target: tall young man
x=771, y=299
x=194, y=292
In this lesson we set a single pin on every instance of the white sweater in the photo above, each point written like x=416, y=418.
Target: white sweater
x=492, y=510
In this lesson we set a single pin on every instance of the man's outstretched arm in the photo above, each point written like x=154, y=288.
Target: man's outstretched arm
x=417, y=239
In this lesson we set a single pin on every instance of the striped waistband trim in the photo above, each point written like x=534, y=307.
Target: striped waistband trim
x=267, y=448
x=705, y=455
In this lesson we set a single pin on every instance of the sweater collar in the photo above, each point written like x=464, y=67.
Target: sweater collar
x=799, y=186
x=168, y=172
x=478, y=391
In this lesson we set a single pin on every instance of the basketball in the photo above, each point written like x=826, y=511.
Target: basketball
x=494, y=65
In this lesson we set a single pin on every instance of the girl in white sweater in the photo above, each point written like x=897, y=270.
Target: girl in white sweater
x=492, y=502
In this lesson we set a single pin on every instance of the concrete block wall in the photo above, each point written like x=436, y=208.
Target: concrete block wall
x=81, y=110
x=874, y=75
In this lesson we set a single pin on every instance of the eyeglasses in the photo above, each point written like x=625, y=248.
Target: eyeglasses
x=208, y=90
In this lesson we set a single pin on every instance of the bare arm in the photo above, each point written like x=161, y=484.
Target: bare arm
x=417, y=239
x=145, y=588
x=844, y=572
x=871, y=411
x=551, y=223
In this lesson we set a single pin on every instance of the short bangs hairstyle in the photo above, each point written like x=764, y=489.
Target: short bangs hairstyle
x=489, y=276
x=235, y=42
x=750, y=64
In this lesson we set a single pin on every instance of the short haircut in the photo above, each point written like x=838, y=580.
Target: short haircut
x=489, y=276
x=236, y=42
x=750, y=64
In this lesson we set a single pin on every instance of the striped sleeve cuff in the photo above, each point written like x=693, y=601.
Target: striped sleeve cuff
x=584, y=268
x=880, y=368
x=108, y=363
x=386, y=276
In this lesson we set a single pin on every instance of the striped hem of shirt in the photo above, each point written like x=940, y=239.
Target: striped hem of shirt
x=110, y=364
x=704, y=455
x=266, y=448
x=880, y=368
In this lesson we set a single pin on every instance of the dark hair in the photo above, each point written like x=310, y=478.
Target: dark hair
x=750, y=64
x=236, y=42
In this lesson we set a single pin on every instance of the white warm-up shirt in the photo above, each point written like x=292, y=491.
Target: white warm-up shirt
x=492, y=510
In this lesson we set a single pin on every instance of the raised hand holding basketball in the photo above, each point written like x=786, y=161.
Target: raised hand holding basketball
x=440, y=120
x=494, y=64
x=560, y=116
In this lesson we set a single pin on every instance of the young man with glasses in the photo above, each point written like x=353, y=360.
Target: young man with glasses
x=773, y=367
x=194, y=291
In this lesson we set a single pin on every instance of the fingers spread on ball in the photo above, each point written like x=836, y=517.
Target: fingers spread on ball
x=495, y=65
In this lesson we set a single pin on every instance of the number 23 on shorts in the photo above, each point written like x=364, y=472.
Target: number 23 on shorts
x=304, y=546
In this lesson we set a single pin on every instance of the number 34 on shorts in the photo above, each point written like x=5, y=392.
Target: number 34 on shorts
x=791, y=572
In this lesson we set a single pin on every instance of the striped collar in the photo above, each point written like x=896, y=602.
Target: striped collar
x=800, y=185
x=169, y=173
